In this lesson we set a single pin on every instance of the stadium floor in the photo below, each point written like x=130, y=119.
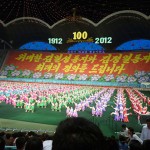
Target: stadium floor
x=46, y=120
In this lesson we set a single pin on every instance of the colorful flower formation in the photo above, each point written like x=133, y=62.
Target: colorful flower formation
x=138, y=77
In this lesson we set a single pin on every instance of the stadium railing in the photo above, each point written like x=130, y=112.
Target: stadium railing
x=10, y=148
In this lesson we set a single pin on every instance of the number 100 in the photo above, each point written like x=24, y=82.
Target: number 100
x=80, y=35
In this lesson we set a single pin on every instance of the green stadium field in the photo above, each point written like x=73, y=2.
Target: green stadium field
x=45, y=116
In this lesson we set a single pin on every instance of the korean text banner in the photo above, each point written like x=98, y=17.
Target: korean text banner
x=115, y=63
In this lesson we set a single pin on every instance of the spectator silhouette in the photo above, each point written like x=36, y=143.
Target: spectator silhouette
x=9, y=140
x=125, y=130
x=123, y=143
x=133, y=136
x=146, y=145
x=112, y=143
x=78, y=134
x=47, y=141
x=34, y=143
x=145, y=135
x=135, y=145
x=20, y=143
x=2, y=143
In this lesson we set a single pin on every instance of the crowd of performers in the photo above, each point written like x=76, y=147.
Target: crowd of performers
x=139, y=102
x=74, y=99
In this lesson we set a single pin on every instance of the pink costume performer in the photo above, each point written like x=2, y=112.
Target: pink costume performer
x=75, y=113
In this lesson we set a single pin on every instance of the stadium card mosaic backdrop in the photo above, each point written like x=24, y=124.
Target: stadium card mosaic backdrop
x=114, y=67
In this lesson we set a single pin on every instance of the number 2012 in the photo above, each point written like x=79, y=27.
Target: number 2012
x=103, y=40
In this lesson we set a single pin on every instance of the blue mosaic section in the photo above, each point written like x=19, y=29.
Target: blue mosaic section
x=141, y=44
x=38, y=46
x=86, y=47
